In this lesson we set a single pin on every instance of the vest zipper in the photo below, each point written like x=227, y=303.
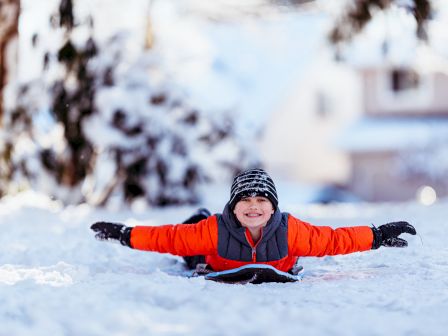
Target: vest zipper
x=252, y=245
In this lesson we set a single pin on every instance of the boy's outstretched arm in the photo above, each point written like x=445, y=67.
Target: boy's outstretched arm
x=183, y=240
x=310, y=240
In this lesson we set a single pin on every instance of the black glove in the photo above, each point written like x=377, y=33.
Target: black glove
x=387, y=234
x=106, y=231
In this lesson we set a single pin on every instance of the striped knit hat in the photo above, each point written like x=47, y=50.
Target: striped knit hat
x=251, y=183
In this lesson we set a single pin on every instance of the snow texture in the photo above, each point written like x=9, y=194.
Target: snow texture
x=56, y=279
x=389, y=37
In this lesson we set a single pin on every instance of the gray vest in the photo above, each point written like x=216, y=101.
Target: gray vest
x=233, y=245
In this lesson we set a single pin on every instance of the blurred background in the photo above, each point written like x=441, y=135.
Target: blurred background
x=110, y=102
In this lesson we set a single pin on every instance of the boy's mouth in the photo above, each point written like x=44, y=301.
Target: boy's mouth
x=253, y=215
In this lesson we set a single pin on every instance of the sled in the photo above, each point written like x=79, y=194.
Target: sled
x=252, y=273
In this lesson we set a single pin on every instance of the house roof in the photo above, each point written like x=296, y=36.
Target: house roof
x=392, y=134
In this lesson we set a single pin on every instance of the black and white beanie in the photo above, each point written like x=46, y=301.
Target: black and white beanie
x=251, y=183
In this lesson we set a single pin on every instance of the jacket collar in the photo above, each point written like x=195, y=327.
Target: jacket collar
x=236, y=230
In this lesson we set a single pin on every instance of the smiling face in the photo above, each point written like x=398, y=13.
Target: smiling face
x=253, y=212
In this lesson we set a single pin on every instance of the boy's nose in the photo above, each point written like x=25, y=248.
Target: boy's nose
x=253, y=204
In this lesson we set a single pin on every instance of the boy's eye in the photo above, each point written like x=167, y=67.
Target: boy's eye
x=257, y=199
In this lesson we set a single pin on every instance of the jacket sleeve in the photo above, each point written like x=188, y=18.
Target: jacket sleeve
x=305, y=239
x=179, y=239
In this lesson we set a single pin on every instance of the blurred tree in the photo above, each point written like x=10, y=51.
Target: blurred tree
x=111, y=127
x=9, y=23
x=360, y=12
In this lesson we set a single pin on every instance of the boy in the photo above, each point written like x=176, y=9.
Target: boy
x=252, y=230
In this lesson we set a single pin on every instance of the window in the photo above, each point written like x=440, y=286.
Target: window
x=404, y=90
x=404, y=80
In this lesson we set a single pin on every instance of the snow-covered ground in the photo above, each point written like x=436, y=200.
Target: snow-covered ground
x=56, y=279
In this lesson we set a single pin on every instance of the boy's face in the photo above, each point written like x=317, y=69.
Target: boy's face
x=253, y=212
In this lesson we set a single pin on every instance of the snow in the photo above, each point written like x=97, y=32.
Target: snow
x=394, y=26
x=55, y=278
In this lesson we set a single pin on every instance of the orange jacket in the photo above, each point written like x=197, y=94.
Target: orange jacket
x=201, y=238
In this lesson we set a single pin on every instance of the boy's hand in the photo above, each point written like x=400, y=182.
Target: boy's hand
x=112, y=231
x=387, y=234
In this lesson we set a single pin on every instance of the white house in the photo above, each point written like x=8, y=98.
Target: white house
x=299, y=137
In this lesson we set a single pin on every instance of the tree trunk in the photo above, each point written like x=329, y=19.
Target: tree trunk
x=9, y=22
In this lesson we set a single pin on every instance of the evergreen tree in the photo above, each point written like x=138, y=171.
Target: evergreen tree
x=112, y=127
x=9, y=23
